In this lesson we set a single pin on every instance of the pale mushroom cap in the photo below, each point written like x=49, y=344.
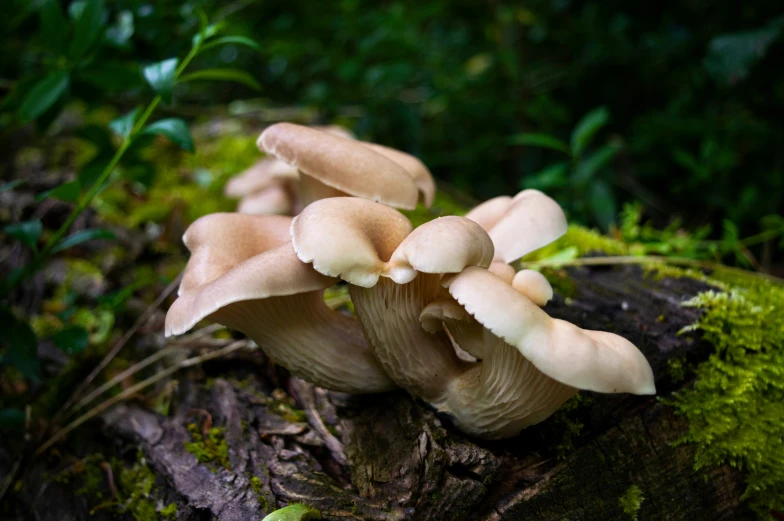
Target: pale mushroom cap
x=440, y=310
x=443, y=245
x=590, y=360
x=349, y=237
x=533, y=220
x=415, y=168
x=273, y=200
x=533, y=285
x=503, y=271
x=276, y=272
x=341, y=163
x=490, y=212
x=220, y=241
x=336, y=130
x=263, y=174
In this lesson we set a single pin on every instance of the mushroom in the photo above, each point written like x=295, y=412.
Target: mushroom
x=332, y=166
x=243, y=273
x=530, y=363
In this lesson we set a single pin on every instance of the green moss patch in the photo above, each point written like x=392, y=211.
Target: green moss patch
x=631, y=501
x=210, y=448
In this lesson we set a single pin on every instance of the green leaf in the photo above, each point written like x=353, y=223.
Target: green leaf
x=83, y=236
x=72, y=339
x=539, y=140
x=120, y=33
x=43, y=95
x=567, y=254
x=54, y=26
x=160, y=76
x=294, y=513
x=588, y=167
x=123, y=125
x=68, y=192
x=587, y=128
x=235, y=75
x=92, y=171
x=12, y=418
x=89, y=26
x=554, y=176
x=602, y=204
x=238, y=40
x=11, y=185
x=21, y=345
x=27, y=232
x=208, y=32
x=175, y=129
x=99, y=136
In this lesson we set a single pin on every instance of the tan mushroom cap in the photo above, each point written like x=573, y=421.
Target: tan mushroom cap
x=220, y=241
x=273, y=200
x=502, y=270
x=263, y=174
x=360, y=241
x=590, y=360
x=341, y=164
x=533, y=285
x=415, y=168
x=490, y=212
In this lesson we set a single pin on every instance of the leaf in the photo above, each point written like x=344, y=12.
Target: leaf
x=123, y=125
x=12, y=418
x=235, y=75
x=83, y=236
x=21, y=345
x=175, y=129
x=92, y=171
x=567, y=254
x=54, y=26
x=11, y=185
x=43, y=95
x=27, y=232
x=731, y=57
x=99, y=136
x=72, y=339
x=588, y=127
x=89, y=26
x=208, y=32
x=295, y=512
x=602, y=204
x=239, y=40
x=160, y=76
x=68, y=192
x=588, y=167
x=554, y=176
x=120, y=33
x=539, y=140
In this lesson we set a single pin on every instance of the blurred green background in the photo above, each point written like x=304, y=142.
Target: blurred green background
x=687, y=98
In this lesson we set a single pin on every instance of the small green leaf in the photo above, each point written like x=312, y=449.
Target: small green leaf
x=235, y=75
x=83, y=236
x=43, y=95
x=11, y=185
x=588, y=167
x=123, y=125
x=294, y=513
x=238, y=40
x=68, y=192
x=27, y=232
x=160, y=76
x=88, y=27
x=54, y=26
x=207, y=33
x=175, y=129
x=72, y=339
x=11, y=418
x=99, y=136
x=21, y=345
x=539, y=140
x=587, y=128
x=567, y=254
x=554, y=176
x=602, y=203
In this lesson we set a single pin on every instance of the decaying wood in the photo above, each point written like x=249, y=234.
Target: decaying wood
x=389, y=457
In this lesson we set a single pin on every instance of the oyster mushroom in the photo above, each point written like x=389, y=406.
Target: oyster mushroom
x=530, y=363
x=243, y=273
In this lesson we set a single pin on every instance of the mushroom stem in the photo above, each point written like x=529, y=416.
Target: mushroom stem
x=314, y=342
x=420, y=362
x=311, y=190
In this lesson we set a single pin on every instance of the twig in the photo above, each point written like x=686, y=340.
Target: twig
x=136, y=388
x=307, y=397
x=678, y=261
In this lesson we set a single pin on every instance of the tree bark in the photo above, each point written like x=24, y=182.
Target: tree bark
x=385, y=457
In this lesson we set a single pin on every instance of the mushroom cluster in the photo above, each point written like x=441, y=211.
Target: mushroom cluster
x=440, y=311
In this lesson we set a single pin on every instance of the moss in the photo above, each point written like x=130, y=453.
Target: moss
x=677, y=368
x=631, y=501
x=169, y=511
x=562, y=284
x=577, y=242
x=284, y=405
x=258, y=488
x=570, y=427
x=210, y=448
x=135, y=486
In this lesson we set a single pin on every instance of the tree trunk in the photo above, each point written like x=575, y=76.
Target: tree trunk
x=390, y=457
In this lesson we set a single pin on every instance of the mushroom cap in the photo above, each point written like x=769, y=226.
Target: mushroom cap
x=273, y=273
x=273, y=200
x=359, y=241
x=503, y=271
x=336, y=130
x=415, y=168
x=220, y=241
x=533, y=285
x=263, y=174
x=341, y=163
x=590, y=360
x=490, y=212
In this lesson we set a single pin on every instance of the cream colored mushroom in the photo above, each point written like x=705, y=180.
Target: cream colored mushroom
x=244, y=273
